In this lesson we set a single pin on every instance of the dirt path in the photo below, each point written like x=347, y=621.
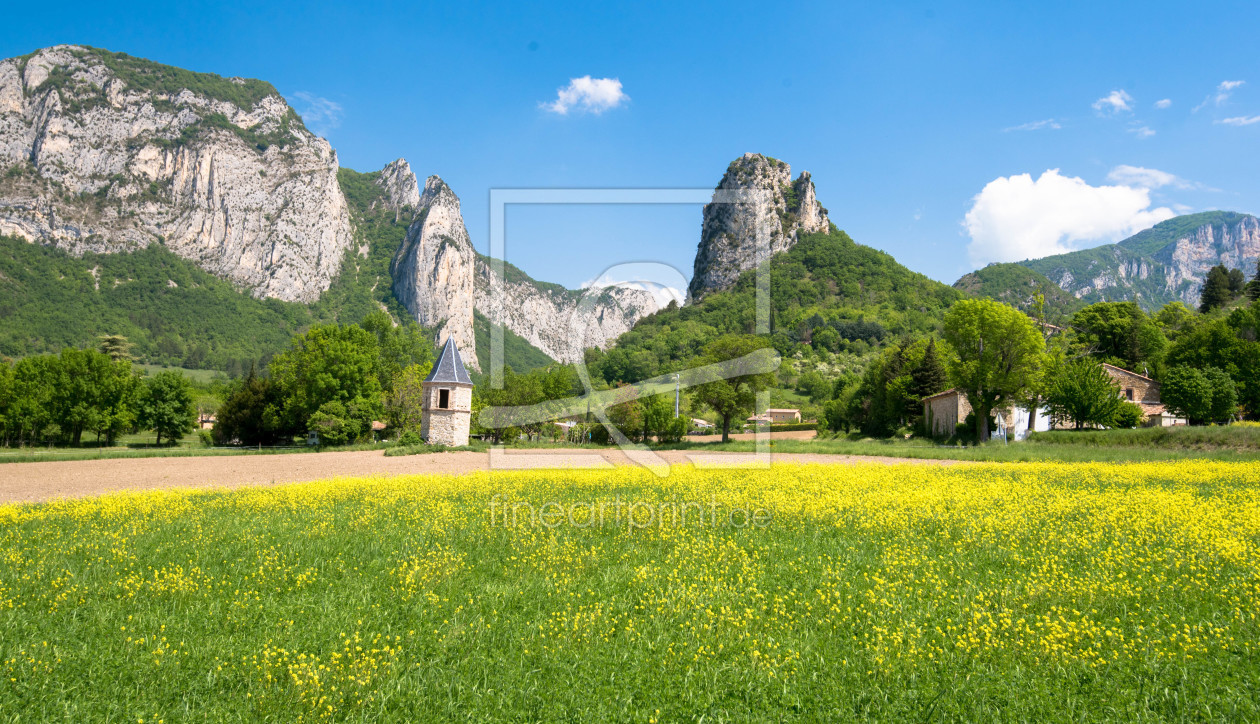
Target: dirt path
x=33, y=482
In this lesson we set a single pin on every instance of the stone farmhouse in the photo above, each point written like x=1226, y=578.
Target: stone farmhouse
x=945, y=410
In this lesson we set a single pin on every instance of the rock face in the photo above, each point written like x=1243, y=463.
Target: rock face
x=440, y=279
x=729, y=236
x=1163, y=264
x=102, y=152
x=556, y=320
x=433, y=269
x=401, y=188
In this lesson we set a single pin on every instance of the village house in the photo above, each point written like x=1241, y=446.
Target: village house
x=945, y=410
x=1143, y=392
x=777, y=415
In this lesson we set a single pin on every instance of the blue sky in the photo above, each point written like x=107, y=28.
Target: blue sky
x=917, y=121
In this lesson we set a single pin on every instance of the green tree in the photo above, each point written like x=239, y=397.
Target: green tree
x=814, y=386
x=166, y=406
x=333, y=423
x=330, y=363
x=1237, y=282
x=116, y=347
x=6, y=400
x=1228, y=344
x=1187, y=392
x=1175, y=319
x=996, y=355
x=737, y=395
x=116, y=401
x=251, y=413
x=1119, y=333
x=399, y=346
x=30, y=408
x=657, y=412
x=1224, y=395
x=1253, y=286
x=405, y=399
x=929, y=375
x=1201, y=396
x=1216, y=291
x=1081, y=391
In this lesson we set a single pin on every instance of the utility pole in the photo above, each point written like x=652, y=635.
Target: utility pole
x=675, y=394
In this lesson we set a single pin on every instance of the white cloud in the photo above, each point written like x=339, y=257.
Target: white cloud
x=1163, y=103
x=1015, y=217
x=1152, y=178
x=1147, y=178
x=1223, y=91
x=1142, y=131
x=1049, y=123
x=1241, y=121
x=319, y=114
x=589, y=95
x=1117, y=101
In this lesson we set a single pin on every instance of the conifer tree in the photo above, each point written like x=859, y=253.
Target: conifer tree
x=929, y=375
x=1216, y=292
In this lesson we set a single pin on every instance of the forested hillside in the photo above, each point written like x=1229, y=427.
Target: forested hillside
x=829, y=296
x=1021, y=288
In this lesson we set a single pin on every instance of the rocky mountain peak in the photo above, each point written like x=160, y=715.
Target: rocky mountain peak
x=730, y=232
x=401, y=187
x=104, y=152
x=434, y=267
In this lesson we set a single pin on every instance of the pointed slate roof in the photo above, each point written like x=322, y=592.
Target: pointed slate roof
x=449, y=366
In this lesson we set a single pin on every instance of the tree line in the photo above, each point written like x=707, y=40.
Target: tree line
x=1208, y=364
x=59, y=399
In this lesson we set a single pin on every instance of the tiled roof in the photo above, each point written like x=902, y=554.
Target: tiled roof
x=950, y=391
x=449, y=366
x=1127, y=372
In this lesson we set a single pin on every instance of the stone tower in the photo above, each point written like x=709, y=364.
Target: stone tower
x=447, y=408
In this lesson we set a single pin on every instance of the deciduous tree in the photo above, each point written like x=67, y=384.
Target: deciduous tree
x=996, y=355
x=166, y=406
x=1081, y=391
x=737, y=395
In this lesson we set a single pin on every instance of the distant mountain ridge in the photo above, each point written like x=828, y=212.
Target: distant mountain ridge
x=1165, y=263
x=1020, y=287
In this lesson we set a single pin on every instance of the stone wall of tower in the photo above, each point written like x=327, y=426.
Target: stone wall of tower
x=450, y=426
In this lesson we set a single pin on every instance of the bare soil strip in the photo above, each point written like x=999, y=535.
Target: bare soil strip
x=41, y=481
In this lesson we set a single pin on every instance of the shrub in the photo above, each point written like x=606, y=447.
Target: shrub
x=1128, y=415
x=410, y=437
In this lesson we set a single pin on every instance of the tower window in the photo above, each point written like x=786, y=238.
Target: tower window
x=444, y=399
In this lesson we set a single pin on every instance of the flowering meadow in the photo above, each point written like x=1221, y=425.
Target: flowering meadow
x=1021, y=591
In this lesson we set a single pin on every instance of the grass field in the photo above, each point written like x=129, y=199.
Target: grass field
x=1226, y=444
x=1013, y=592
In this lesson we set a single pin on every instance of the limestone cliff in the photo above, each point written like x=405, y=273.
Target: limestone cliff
x=402, y=191
x=103, y=152
x=440, y=279
x=555, y=319
x=1165, y=263
x=434, y=267
x=730, y=232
